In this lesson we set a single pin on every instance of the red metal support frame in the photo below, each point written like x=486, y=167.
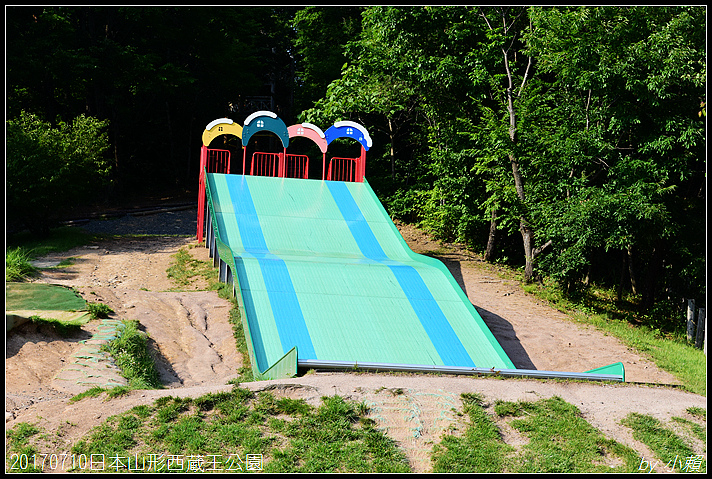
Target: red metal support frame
x=297, y=166
x=282, y=163
x=211, y=161
x=347, y=169
x=201, y=191
x=362, y=165
x=343, y=169
x=266, y=164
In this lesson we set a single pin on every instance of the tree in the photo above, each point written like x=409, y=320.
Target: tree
x=625, y=143
x=50, y=169
x=158, y=74
x=321, y=34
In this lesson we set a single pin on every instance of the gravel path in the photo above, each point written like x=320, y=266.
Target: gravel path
x=168, y=221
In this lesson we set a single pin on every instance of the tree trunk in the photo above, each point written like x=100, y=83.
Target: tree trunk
x=392, y=150
x=619, y=292
x=491, y=239
x=524, y=228
x=633, y=282
x=528, y=240
x=651, y=277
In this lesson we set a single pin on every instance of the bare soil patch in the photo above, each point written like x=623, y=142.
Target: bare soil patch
x=195, y=353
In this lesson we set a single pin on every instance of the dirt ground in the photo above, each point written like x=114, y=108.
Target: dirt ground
x=195, y=353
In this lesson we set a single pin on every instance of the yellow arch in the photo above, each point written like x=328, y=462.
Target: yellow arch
x=221, y=126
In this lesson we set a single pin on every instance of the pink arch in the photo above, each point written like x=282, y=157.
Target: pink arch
x=308, y=132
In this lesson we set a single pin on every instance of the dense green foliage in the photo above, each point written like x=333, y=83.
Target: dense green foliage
x=17, y=265
x=576, y=132
x=565, y=140
x=157, y=74
x=52, y=168
x=129, y=350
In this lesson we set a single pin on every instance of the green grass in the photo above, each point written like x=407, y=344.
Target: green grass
x=17, y=265
x=560, y=440
x=185, y=269
x=481, y=449
x=129, y=350
x=289, y=435
x=672, y=450
x=698, y=412
x=19, y=453
x=89, y=393
x=697, y=430
x=99, y=310
x=24, y=247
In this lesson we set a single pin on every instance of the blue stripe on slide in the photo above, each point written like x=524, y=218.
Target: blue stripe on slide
x=291, y=326
x=446, y=342
x=257, y=343
x=361, y=231
x=436, y=325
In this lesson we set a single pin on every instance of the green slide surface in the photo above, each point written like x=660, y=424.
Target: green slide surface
x=319, y=266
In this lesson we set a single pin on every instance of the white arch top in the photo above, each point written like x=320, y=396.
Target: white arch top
x=359, y=127
x=315, y=128
x=219, y=121
x=259, y=113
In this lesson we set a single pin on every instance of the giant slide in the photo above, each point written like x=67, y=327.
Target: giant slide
x=324, y=274
x=322, y=277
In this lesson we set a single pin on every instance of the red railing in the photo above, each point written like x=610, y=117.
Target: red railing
x=218, y=161
x=344, y=169
x=265, y=164
x=279, y=165
x=211, y=161
x=297, y=166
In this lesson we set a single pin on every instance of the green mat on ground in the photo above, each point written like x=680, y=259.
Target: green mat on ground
x=48, y=301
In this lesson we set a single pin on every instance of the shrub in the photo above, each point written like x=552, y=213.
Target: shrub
x=17, y=265
x=50, y=169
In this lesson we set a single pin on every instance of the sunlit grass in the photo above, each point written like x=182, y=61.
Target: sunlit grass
x=129, y=350
x=17, y=265
x=672, y=450
x=224, y=428
x=559, y=441
x=480, y=449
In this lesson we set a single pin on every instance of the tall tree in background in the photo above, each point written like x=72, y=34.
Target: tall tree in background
x=505, y=26
x=158, y=74
x=577, y=128
x=625, y=141
x=321, y=34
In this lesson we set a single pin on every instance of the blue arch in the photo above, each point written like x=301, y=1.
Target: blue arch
x=348, y=129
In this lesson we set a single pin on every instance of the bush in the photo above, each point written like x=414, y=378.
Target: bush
x=17, y=265
x=50, y=169
x=130, y=351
